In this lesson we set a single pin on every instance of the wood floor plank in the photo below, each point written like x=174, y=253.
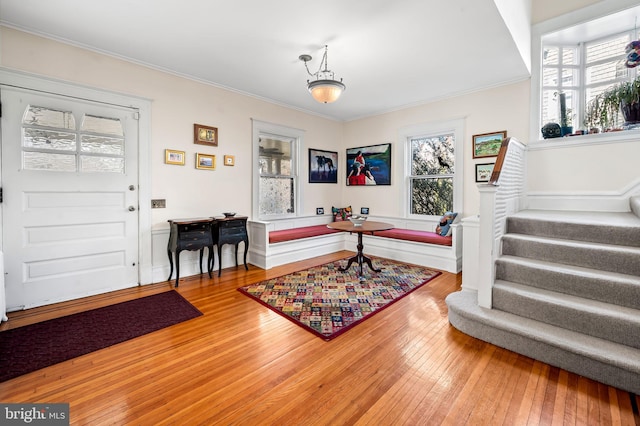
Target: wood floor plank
x=240, y=363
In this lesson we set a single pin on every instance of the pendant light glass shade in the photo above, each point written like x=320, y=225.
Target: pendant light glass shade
x=325, y=88
x=326, y=91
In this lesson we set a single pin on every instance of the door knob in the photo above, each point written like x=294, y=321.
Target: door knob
x=131, y=208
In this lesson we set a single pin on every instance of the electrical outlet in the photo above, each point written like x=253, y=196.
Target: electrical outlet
x=158, y=204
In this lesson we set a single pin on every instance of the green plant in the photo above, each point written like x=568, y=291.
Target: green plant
x=604, y=110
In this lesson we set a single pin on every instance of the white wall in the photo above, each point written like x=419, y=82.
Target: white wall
x=501, y=108
x=178, y=103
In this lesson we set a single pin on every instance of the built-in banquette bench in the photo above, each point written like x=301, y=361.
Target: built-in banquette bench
x=413, y=241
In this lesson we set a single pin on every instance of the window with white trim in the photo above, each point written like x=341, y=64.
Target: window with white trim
x=276, y=150
x=581, y=62
x=433, y=154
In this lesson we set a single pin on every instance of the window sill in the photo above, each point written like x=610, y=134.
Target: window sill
x=585, y=140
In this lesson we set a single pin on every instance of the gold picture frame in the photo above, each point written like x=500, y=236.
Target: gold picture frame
x=171, y=156
x=229, y=160
x=205, y=161
x=205, y=135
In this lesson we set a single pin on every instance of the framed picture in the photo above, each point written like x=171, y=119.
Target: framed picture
x=369, y=165
x=174, y=157
x=364, y=210
x=488, y=144
x=323, y=166
x=320, y=210
x=205, y=161
x=205, y=135
x=229, y=160
x=483, y=172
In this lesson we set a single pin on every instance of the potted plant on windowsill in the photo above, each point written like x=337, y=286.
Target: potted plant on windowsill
x=605, y=109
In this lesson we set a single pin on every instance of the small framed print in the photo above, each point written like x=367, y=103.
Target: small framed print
x=174, y=157
x=205, y=135
x=488, y=144
x=320, y=210
x=229, y=160
x=364, y=210
x=483, y=172
x=205, y=161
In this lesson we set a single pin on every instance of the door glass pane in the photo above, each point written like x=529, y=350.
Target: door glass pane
x=101, y=164
x=48, y=139
x=102, y=144
x=48, y=161
x=41, y=116
x=104, y=125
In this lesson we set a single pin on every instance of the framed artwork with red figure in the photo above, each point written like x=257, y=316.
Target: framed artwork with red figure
x=369, y=165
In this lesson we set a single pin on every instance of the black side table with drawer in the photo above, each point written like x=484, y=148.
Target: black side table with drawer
x=230, y=230
x=190, y=234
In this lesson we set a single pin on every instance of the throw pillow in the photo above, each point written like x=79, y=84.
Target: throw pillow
x=340, y=214
x=444, y=227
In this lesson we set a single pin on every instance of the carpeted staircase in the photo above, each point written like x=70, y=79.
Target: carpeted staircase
x=567, y=292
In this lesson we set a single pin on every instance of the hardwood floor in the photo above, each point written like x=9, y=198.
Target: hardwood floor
x=242, y=364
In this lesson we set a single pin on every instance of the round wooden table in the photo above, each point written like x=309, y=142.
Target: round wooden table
x=368, y=227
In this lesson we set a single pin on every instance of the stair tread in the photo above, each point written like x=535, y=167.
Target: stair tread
x=621, y=219
x=572, y=269
x=573, y=243
x=571, y=301
x=465, y=303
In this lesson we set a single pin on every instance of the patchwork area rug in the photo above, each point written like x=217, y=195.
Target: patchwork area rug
x=32, y=347
x=328, y=302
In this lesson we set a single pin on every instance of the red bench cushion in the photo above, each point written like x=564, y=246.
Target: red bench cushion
x=297, y=233
x=417, y=236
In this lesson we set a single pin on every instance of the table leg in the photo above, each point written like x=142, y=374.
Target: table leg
x=170, y=253
x=360, y=258
x=177, y=266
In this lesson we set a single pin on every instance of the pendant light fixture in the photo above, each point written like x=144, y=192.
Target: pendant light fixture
x=325, y=88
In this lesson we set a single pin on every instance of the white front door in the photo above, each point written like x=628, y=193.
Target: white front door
x=70, y=197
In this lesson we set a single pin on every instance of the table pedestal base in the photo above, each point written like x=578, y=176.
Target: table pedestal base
x=360, y=258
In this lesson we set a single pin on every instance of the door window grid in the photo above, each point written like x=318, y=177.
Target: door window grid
x=50, y=142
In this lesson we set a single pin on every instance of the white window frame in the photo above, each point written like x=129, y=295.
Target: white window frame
x=456, y=127
x=572, y=19
x=284, y=132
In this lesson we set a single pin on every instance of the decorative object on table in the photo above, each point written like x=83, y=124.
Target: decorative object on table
x=320, y=210
x=341, y=213
x=32, y=347
x=229, y=214
x=357, y=220
x=325, y=88
x=205, y=135
x=364, y=210
x=603, y=111
x=172, y=156
x=205, y=161
x=369, y=165
x=229, y=160
x=323, y=166
x=483, y=172
x=328, y=302
x=551, y=130
x=488, y=144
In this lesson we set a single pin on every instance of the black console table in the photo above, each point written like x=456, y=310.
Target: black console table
x=190, y=234
x=230, y=230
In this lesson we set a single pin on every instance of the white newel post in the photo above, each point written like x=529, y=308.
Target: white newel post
x=486, y=268
x=470, y=250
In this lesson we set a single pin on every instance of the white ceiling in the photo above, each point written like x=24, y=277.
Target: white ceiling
x=390, y=54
